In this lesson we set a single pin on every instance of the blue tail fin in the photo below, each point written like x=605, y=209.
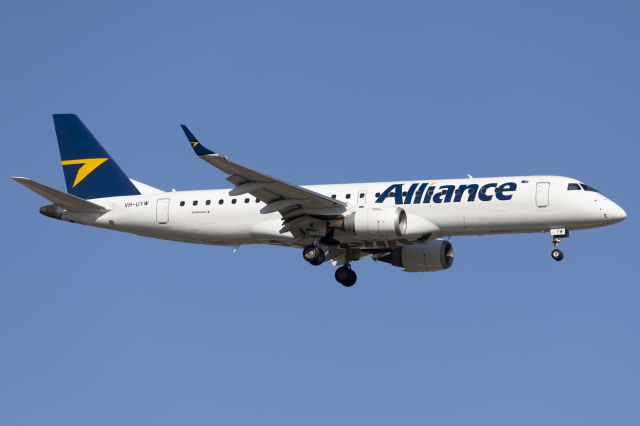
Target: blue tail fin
x=89, y=170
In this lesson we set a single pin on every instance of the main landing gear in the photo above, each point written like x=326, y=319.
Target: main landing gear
x=313, y=254
x=346, y=276
x=316, y=256
x=556, y=253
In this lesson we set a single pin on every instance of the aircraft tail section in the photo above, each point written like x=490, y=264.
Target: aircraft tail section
x=89, y=170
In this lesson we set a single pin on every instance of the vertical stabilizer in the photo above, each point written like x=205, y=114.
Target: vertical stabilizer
x=89, y=170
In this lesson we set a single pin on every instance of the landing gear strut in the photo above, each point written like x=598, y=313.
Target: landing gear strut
x=313, y=254
x=556, y=253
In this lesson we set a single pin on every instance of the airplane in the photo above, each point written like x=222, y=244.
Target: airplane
x=407, y=224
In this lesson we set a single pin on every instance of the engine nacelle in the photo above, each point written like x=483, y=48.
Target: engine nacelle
x=434, y=255
x=377, y=222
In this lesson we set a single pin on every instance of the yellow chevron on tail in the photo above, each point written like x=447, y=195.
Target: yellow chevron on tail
x=88, y=166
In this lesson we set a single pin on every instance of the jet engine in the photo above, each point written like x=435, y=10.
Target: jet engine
x=377, y=222
x=434, y=255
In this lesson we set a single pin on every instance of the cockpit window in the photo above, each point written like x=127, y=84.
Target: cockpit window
x=588, y=188
x=573, y=187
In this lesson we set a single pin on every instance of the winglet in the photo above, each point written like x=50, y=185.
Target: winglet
x=198, y=148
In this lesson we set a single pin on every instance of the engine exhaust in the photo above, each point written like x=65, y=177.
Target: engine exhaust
x=52, y=210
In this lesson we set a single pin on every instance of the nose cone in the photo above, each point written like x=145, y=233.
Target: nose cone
x=615, y=213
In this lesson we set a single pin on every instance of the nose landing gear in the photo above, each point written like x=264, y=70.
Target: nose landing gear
x=556, y=253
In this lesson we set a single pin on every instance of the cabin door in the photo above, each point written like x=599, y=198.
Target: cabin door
x=162, y=211
x=542, y=194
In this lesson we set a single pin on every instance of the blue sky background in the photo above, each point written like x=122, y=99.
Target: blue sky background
x=100, y=328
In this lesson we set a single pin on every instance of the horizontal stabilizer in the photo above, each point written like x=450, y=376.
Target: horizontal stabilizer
x=62, y=199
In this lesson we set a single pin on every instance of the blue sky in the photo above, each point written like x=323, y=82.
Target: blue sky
x=100, y=328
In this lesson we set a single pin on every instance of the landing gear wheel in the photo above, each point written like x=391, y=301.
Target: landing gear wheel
x=318, y=260
x=557, y=254
x=312, y=254
x=346, y=276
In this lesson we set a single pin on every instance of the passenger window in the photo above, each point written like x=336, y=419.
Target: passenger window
x=246, y=200
x=233, y=201
x=333, y=196
x=181, y=203
x=195, y=203
x=392, y=194
x=348, y=196
x=220, y=201
x=208, y=202
x=362, y=195
x=257, y=200
x=404, y=193
x=573, y=187
x=430, y=192
x=377, y=194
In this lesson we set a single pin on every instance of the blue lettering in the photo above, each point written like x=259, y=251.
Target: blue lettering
x=396, y=189
x=471, y=188
x=483, y=196
x=427, y=198
x=419, y=193
x=506, y=187
x=426, y=194
x=412, y=189
x=447, y=191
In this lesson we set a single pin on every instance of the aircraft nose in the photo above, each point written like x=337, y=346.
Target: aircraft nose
x=615, y=212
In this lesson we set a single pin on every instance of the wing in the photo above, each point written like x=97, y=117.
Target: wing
x=297, y=205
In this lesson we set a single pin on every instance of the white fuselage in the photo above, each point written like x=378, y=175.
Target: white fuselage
x=538, y=204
